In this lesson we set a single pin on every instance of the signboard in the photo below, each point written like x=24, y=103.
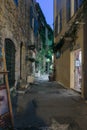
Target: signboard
x=77, y=63
x=5, y=102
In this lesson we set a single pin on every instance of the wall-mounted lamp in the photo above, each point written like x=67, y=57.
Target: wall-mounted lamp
x=77, y=22
x=58, y=54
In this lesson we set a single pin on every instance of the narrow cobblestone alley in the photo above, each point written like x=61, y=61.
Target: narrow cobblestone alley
x=48, y=104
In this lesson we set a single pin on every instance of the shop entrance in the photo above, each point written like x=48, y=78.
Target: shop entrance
x=76, y=70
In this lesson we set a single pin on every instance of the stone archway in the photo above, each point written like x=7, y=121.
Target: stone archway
x=10, y=60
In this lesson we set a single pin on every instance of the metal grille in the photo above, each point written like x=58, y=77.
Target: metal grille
x=10, y=61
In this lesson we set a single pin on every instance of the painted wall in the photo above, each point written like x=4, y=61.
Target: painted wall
x=63, y=66
x=63, y=69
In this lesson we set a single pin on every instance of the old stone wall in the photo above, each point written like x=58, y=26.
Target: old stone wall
x=14, y=26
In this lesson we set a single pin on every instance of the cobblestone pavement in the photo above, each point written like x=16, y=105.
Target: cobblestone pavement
x=49, y=106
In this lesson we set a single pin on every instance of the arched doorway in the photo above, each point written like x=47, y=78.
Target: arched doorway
x=10, y=60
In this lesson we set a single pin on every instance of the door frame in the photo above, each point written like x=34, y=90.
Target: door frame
x=72, y=69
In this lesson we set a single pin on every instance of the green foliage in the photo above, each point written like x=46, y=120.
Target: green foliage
x=47, y=54
x=40, y=55
x=42, y=35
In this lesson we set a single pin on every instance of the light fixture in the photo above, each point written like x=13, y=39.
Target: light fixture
x=58, y=54
x=77, y=22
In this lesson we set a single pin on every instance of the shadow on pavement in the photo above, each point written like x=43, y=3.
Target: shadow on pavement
x=28, y=118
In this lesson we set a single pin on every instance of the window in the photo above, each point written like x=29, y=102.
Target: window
x=80, y=2
x=16, y=2
x=60, y=19
x=57, y=5
x=58, y=23
x=68, y=10
x=35, y=27
x=56, y=26
x=76, y=5
x=31, y=17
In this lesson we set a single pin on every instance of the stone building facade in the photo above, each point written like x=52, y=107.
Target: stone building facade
x=10, y=38
x=45, y=41
x=15, y=36
x=20, y=37
x=70, y=44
